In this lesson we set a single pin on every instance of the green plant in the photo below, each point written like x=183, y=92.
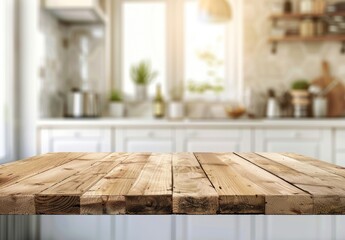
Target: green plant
x=204, y=87
x=300, y=85
x=116, y=96
x=142, y=73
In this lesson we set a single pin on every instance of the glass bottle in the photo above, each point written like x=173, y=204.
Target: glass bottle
x=158, y=103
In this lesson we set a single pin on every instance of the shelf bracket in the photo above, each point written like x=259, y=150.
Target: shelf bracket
x=274, y=47
x=342, y=50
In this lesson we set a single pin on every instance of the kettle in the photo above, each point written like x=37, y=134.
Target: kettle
x=81, y=104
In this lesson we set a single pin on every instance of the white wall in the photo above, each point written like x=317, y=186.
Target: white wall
x=30, y=52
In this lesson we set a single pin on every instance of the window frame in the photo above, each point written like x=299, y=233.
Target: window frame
x=175, y=47
x=9, y=34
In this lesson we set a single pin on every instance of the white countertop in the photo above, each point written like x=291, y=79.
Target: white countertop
x=135, y=122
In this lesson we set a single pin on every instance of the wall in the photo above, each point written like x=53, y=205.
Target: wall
x=30, y=55
x=263, y=70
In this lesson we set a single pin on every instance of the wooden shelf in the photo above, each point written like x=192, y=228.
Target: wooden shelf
x=296, y=16
x=338, y=38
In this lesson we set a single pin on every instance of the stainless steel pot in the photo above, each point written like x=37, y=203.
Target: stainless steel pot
x=82, y=104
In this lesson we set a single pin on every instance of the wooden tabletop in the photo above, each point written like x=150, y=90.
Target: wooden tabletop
x=171, y=183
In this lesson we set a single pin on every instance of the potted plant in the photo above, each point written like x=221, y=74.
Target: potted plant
x=142, y=75
x=300, y=97
x=116, y=106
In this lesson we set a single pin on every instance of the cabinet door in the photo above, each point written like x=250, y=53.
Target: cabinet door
x=294, y=227
x=145, y=140
x=311, y=142
x=144, y=227
x=215, y=140
x=340, y=147
x=221, y=227
x=315, y=143
x=75, y=140
x=76, y=227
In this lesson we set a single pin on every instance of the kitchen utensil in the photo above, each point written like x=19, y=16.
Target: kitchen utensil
x=74, y=104
x=273, y=109
x=91, y=104
x=334, y=91
x=319, y=106
x=81, y=104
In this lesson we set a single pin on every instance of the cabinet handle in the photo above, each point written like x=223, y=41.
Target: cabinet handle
x=298, y=135
x=151, y=134
x=77, y=134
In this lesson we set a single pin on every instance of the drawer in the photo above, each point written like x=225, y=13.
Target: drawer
x=340, y=139
x=213, y=133
x=293, y=134
x=79, y=133
x=148, y=133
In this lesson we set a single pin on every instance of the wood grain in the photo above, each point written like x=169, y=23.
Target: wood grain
x=22, y=169
x=193, y=192
x=107, y=196
x=152, y=191
x=171, y=183
x=21, y=195
x=327, y=189
x=246, y=188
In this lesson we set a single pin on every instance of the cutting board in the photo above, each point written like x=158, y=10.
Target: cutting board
x=336, y=96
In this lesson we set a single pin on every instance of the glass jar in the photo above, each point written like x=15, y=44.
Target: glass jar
x=306, y=6
x=307, y=28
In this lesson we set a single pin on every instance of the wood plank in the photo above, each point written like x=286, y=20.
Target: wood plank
x=193, y=192
x=327, y=189
x=18, y=171
x=180, y=183
x=152, y=191
x=107, y=196
x=235, y=192
x=71, y=188
x=334, y=169
x=245, y=188
x=19, y=198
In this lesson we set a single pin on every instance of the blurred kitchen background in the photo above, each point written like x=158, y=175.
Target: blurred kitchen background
x=173, y=76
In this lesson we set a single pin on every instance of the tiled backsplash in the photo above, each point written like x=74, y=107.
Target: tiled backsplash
x=263, y=70
x=61, y=63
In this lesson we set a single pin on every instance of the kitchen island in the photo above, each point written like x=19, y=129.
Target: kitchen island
x=171, y=183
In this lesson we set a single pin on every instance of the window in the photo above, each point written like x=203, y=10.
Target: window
x=144, y=38
x=202, y=57
x=204, y=53
x=6, y=81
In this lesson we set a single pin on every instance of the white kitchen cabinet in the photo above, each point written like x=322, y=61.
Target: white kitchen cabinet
x=144, y=140
x=221, y=227
x=75, y=140
x=144, y=227
x=76, y=227
x=215, y=140
x=323, y=143
x=293, y=227
x=316, y=143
